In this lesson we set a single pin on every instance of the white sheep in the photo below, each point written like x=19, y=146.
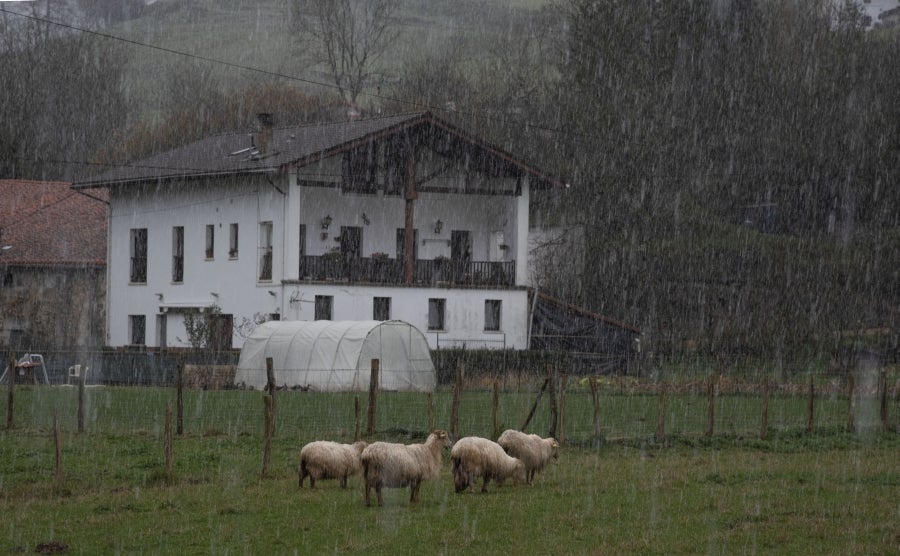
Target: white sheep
x=474, y=457
x=390, y=465
x=533, y=450
x=324, y=459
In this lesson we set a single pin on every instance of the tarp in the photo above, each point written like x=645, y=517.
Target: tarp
x=336, y=356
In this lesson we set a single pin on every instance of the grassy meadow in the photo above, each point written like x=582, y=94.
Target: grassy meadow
x=829, y=492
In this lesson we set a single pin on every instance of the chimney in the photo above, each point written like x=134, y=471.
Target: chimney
x=264, y=136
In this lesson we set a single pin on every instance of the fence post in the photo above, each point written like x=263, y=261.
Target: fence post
x=373, y=396
x=80, y=415
x=710, y=404
x=495, y=410
x=764, y=421
x=535, y=404
x=851, y=406
x=168, y=448
x=596, y=403
x=58, y=448
x=554, y=410
x=661, y=414
x=179, y=407
x=357, y=413
x=563, y=379
x=430, y=399
x=454, y=408
x=10, y=381
x=883, y=393
x=270, y=385
x=810, y=419
x=269, y=412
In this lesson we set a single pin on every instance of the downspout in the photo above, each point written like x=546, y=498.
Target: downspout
x=411, y=196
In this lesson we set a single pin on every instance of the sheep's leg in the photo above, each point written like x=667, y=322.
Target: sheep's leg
x=414, y=492
x=302, y=473
x=378, y=493
x=312, y=481
x=344, y=481
x=368, y=485
x=485, y=483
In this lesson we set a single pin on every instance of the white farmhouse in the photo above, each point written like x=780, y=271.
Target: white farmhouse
x=403, y=217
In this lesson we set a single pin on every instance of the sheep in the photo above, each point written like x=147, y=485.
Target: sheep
x=390, y=465
x=472, y=456
x=533, y=450
x=324, y=459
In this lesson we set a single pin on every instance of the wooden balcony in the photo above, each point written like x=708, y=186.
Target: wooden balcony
x=439, y=272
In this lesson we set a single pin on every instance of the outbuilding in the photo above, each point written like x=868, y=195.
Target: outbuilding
x=336, y=356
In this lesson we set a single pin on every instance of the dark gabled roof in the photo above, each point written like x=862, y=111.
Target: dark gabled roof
x=235, y=154
x=49, y=224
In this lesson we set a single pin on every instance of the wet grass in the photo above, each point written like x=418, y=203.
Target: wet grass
x=685, y=498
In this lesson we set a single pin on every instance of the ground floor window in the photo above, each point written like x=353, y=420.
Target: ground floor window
x=492, y=309
x=324, y=304
x=381, y=308
x=137, y=329
x=436, y=310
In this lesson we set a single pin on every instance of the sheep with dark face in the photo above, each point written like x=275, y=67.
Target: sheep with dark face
x=390, y=465
x=324, y=459
x=474, y=457
x=533, y=450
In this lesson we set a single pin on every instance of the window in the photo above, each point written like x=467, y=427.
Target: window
x=492, y=315
x=137, y=329
x=401, y=244
x=436, y=309
x=323, y=307
x=210, y=241
x=265, y=250
x=381, y=308
x=178, y=254
x=233, y=241
x=138, y=256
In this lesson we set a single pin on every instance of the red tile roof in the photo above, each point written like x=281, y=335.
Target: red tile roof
x=51, y=224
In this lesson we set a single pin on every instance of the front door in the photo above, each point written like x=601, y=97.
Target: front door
x=351, y=249
x=460, y=253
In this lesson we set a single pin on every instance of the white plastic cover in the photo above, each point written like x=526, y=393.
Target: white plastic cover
x=336, y=356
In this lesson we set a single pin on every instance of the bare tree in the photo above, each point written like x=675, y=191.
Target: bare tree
x=348, y=36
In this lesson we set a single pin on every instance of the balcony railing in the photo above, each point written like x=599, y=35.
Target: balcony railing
x=425, y=272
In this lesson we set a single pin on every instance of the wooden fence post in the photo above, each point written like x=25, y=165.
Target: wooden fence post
x=811, y=408
x=595, y=400
x=179, y=403
x=563, y=379
x=851, y=406
x=537, y=400
x=80, y=414
x=373, y=396
x=269, y=412
x=10, y=381
x=554, y=408
x=168, y=448
x=710, y=404
x=764, y=421
x=495, y=410
x=58, y=448
x=454, y=407
x=661, y=414
x=357, y=413
x=270, y=384
x=430, y=399
x=883, y=405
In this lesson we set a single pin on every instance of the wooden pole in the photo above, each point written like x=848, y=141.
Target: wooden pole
x=430, y=411
x=270, y=383
x=810, y=419
x=179, y=407
x=851, y=406
x=883, y=393
x=595, y=400
x=58, y=447
x=358, y=414
x=495, y=410
x=170, y=458
x=10, y=381
x=80, y=415
x=710, y=404
x=457, y=393
x=269, y=411
x=563, y=379
x=554, y=408
x=661, y=414
x=534, y=405
x=373, y=396
x=764, y=421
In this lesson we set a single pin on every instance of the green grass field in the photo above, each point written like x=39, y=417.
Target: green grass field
x=829, y=492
